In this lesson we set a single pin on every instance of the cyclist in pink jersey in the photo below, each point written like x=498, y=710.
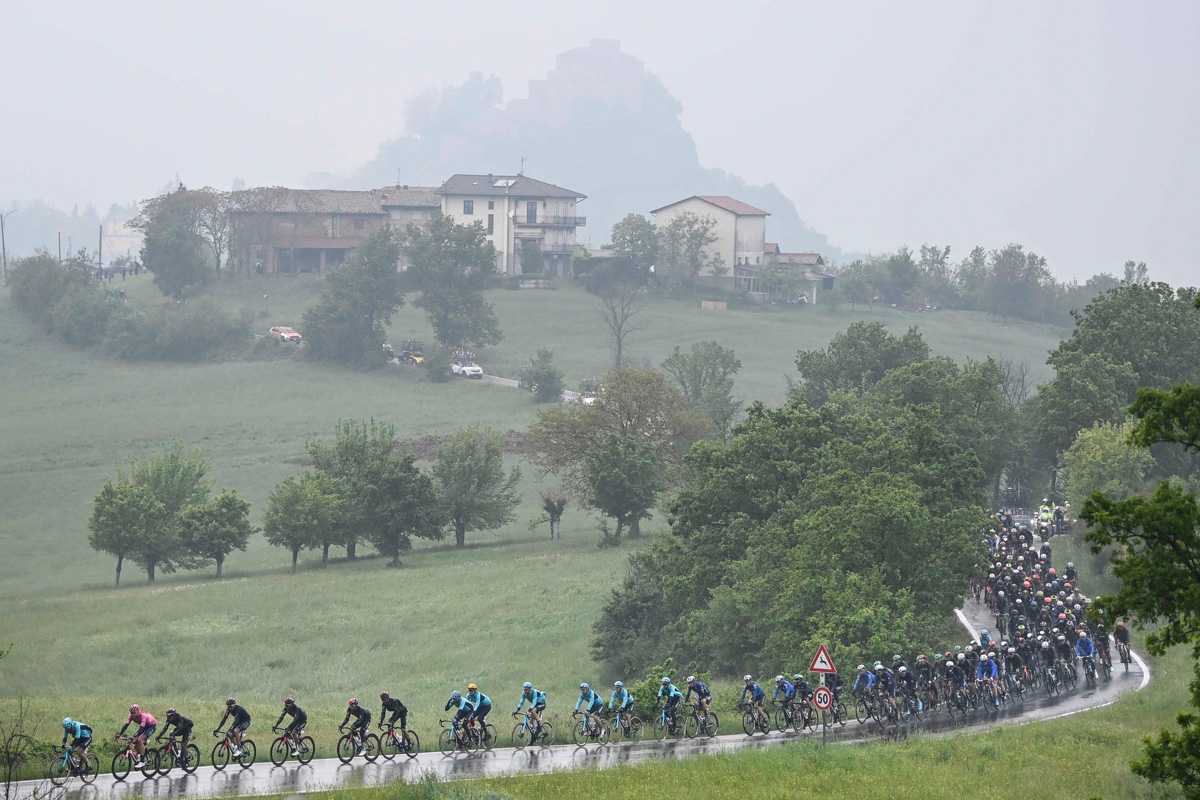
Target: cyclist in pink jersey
x=146, y=724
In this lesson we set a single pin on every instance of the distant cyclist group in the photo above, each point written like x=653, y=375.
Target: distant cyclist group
x=1044, y=639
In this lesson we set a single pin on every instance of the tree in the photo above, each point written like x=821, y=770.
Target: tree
x=1085, y=389
x=1136, y=272
x=348, y=323
x=541, y=377
x=204, y=212
x=172, y=253
x=636, y=403
x=554, y=502
x=532, y=260
x=856, y=360
x=624, y=477
x=683, y=249
x=618, y=311
x=856, y=289
x=452, y=264
x=212, y=530
x=705, y=376
x=1101, y=460
x=302, y=513
x=121, y=516
x=401, y=502
x=634, y=238
x=471, y=481
x=899, y=276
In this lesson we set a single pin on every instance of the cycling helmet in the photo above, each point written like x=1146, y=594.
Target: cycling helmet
x=1078, y=607
x=68, y=722
x=1120, y=624
x=962, y=656
x=949, y=654
x=1070, y=564
x=1000, y=594
x=1045, y=645
x=691, y=678
x=290, y=702
x=921, y=657
x=797, y=677
x=382, y=696
x=1062, y=637
x=528, y=685
x=471, y=687
x=949, y=663
x=584, y=686
x=353, y=701
x=903, y=670
x=133, y=709
x=779, y=679
x=957, y=648
x=617, y=685
x=983, y=656
x=991, y=574
x=981, y=633
x=170, y=711
x=1012, y=650
x=897, y=656
x=231, y=702
x=862, y=667
x=455, y=694
x=748, y=678
x=878, y=664
x=665, y=681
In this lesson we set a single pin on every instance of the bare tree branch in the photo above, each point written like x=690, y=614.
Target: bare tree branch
x=617, y=310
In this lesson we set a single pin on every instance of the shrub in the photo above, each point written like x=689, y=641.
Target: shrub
x=542, y=377
x=186, y=333
x=437, y=363
x=39, y=281
x=80, y=316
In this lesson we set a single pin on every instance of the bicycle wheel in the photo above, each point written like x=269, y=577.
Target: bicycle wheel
x=346, y=749
x=58, y=770
x=307, y=749
x=839, y=713
x=474, y=739
x=602, y=732
x=166, y=760
x=446, y=742
x=412, y=744
x=520, y=735
x=781, y=720
x=490, y=735
x=150, y=766
x=710, y=725
x=90, y=768
x=280, y=749
x=545, y=737
x=579, y=731
x=660, y=728
x=191, y=758
x=861, y=712
x=249, y=753
x=122, y=763
x=220, y=756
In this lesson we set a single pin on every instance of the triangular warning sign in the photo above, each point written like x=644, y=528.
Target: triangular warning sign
x=822, y=662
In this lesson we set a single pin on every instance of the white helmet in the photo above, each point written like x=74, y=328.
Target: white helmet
x=983, y=656
x=747, y=678
x=779, y=679
x=903, y=670
x=691, y=678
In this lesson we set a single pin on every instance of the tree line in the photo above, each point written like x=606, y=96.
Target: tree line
x=363, y=488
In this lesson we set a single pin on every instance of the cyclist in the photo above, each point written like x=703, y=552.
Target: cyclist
x=897, y=663
x=803, y=690
x=393, y=706
x=465, y=707
x=953, y=673
x=238, y=724
x=1070, y=573
x=82, y=733
x=703, y=695
x=834, y=684
x=789, y=692
x=362, y=723
x=1121, y=634
x=923, y=670
x=863, y=682
x=622, y=703
x=985, y=638
x=1100, y=640
x=906, y=682
x=483, y=706
x=181, y=724
x=885, y=684
x=594, y=703
x=296, y=727
x=146, y=725
x=987, y=671
x=537, y=702
x=757, y=695
x=1085, y=649
x=669, y=696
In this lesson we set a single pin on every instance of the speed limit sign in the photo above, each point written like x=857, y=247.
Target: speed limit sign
x=822, y=698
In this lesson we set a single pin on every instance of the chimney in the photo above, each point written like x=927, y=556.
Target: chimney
x=491, y=178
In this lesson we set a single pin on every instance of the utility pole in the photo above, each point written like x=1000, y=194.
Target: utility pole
x=60, y=247
x=100, y=250
x=3, y=243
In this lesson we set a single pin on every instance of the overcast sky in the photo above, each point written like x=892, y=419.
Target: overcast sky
x=1072, y=128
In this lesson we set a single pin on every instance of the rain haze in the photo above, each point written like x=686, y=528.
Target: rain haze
x=1069, y=128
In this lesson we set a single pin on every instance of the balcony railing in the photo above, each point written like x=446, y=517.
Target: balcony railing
x=554, y=222
x=555, y=247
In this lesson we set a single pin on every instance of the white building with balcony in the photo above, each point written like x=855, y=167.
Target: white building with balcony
x=514, y=210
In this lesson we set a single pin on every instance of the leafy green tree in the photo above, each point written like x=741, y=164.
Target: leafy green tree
x=634, y=238
x=401, y=502
x=533, y=262
x=204, y=212
x=122, y=515
x=1016, y=284
x=1102, y=460
x=1086, y=389
x=683, y=249
x=475, y=490
x=856, y=360
x=625, y=477
x=543, y=377
x=453, y=264
x=347, y=324
x=301, y=513
x=899, y=276
x=173, y=253
x=1136, y=272
x=856, y=289
x=705, y=376
x=36, y=283
x=214, y=529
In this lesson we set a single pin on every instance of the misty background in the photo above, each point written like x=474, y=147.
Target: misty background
x=1069, y=128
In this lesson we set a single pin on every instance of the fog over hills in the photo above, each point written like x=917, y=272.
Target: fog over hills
x=599, y=123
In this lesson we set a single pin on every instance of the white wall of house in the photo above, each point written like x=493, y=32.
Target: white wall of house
x=725, y=229
x=749, y=238
x=509, y=228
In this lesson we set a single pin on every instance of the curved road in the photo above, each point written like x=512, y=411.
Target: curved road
x=263, y=778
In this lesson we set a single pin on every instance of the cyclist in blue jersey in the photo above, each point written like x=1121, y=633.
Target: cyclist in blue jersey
x=622, y=703
x=864, y=681
x=703, y=695
x=789, y=691
x=885, y=684
x=483, y=707
x=669, y=696
x=537, y=703
x=593, y=702
x=757, y=695
x=1085, y=649
x=82, y=733
x=988, y=670
x=465, y=707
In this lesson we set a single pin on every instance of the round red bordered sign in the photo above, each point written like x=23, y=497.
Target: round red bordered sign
x=823, y=698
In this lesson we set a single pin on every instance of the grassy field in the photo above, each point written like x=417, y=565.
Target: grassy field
x=514, y=607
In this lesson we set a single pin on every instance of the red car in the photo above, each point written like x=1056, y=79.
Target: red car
x=286, y=334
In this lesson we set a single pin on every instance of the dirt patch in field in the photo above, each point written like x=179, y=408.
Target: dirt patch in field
x=425, y=447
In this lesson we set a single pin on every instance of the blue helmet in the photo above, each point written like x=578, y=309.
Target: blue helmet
x=527, y=685
x=68, y=722
x=618, y=685
x=665, y=681
x=455, y=694
x=584, y=687
x=984, y=632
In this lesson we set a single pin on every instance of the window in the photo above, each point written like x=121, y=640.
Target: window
x=491, y=224
x=359, y=224
x=531, y=211
x=758, y=259
x=468, y=207
x=491, y=205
